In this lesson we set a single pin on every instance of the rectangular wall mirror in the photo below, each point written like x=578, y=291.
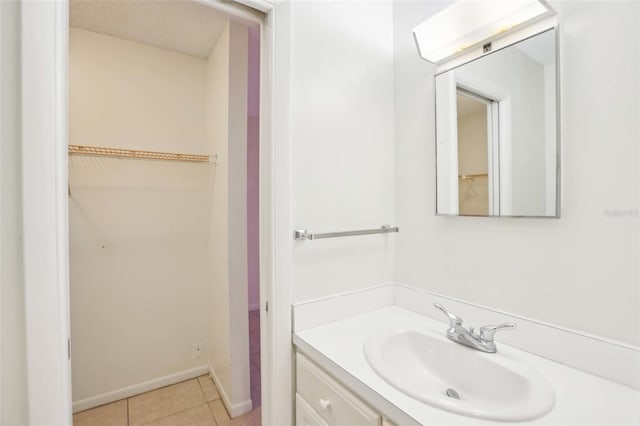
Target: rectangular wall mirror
x=497, y=138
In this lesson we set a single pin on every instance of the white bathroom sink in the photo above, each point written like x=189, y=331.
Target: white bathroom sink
x=490, y=386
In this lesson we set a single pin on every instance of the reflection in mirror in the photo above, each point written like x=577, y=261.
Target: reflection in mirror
x=473, y=168
x=496, y=138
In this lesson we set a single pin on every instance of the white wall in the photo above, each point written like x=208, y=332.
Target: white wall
x=13, y=373
x=448, y=200
x=237, y=204
x=226, y=112
x=253, y=167
x=579, y=271
x=342, y=102
x=217, y=133
x=138, y=228
x=253, y=212
x=134, y=95
x=551, y=139
x=507, y=69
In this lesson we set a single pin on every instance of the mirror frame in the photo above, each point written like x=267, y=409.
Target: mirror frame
x=558, y=131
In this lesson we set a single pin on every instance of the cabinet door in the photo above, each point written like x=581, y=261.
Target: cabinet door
x=333, y=402
x=305, y=415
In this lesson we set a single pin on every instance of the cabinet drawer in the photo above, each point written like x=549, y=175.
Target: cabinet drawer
x=335, y=404
x=305, y=415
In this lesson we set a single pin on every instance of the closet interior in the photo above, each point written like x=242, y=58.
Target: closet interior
x=163, y=157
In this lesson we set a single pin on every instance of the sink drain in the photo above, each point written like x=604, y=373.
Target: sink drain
x=451, y=393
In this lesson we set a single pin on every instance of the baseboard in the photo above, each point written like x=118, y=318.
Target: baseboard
x=234, y=410
x=126, y=392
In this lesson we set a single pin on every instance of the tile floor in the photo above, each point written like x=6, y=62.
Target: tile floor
x=194, y=402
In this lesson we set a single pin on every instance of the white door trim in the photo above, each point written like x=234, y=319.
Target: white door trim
x=45, y=224
x=275, y=213
x=276, y=240
x=45, y=175
x=502, y=96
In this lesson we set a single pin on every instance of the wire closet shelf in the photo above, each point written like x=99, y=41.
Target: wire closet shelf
x=129, y=153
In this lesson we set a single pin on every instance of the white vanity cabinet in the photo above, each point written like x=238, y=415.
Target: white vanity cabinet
x=322, y=401
x=306, y=415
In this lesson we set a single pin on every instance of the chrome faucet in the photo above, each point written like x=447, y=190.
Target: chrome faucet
x=482, y=341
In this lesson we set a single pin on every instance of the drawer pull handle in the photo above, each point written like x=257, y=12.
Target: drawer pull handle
x=325, y=404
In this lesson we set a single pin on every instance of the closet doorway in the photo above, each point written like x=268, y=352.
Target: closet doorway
x=163, y=212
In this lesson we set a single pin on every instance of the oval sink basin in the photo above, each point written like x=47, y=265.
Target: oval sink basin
x=459, y=379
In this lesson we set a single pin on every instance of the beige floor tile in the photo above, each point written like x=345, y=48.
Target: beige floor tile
x=163, y=402
x=220, y=413
x=209, y=388
x=252, y=418
x=196, y=416
x=114, y=414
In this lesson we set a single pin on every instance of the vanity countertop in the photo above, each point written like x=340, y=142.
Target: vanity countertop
x=580, y=398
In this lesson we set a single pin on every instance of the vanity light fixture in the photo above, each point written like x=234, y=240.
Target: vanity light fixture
x=468, y=23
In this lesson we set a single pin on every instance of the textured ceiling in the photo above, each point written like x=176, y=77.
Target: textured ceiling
x=180, y=25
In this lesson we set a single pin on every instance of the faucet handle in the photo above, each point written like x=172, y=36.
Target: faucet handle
x=487, y=332
x=453, y=319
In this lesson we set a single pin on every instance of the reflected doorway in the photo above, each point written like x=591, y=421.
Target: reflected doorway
x=477, y=144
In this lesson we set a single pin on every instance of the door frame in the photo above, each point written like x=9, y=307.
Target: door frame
x=44, y=74
x=492, y=111
x=500, y=158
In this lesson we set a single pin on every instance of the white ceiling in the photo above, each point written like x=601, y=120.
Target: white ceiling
x=180, y=25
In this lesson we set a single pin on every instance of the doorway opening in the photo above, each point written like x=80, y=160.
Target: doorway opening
x=478, y=154
x=163, y=251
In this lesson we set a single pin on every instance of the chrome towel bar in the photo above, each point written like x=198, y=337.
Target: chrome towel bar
x=302, y=234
